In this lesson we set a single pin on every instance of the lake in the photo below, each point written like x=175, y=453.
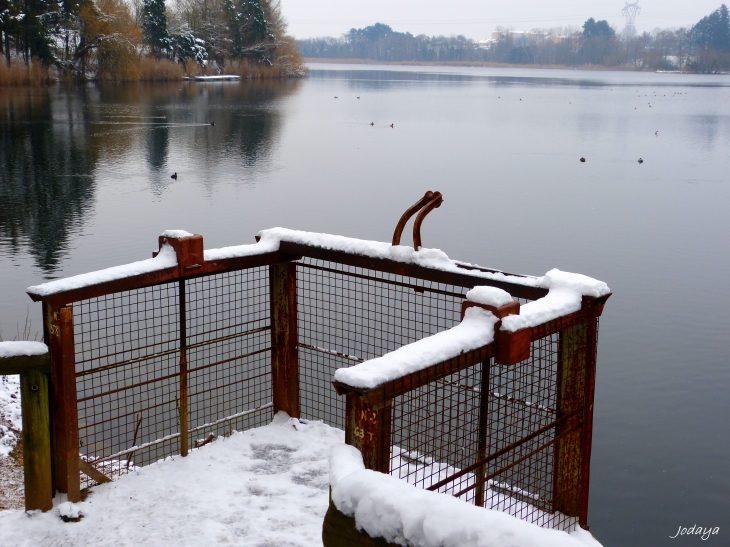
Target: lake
x=85, y=183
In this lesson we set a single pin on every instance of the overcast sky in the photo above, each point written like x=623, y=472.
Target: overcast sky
x=477, y=18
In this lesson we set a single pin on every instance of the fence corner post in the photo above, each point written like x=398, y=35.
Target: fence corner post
x=368, y=428
x=63, y=409
x=575, y=391
x=36, y=440
x=284, y=338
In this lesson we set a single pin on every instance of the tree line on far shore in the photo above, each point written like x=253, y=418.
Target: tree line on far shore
x=143, y=39
x=703, y=47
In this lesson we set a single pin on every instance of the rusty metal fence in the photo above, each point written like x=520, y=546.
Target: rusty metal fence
x=131, y=386
x=153, y=365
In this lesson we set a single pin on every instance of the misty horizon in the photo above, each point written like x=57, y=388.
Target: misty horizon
x=478, y=19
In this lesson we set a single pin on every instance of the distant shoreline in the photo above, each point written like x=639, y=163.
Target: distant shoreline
x=597, y=68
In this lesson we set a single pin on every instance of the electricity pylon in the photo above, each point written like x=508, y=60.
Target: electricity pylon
x=631, y=11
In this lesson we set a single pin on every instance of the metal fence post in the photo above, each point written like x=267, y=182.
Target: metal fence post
x=64, y=414
x=183, y=370
x=481, y=472
x=368, y=428
x=575, y=383
x=587, y=430
x=284, y=338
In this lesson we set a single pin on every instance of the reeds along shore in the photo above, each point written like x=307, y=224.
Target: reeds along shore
x=145, y=70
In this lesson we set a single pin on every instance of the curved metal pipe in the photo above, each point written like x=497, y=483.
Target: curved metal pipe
x=412, y=210
x=436, y=201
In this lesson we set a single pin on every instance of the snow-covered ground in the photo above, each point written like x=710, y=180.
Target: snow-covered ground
x=263, y=487
x=11, y=471
x=11, y=420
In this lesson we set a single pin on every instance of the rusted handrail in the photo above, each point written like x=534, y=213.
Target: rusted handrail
x=435, y=201
x=412, y=210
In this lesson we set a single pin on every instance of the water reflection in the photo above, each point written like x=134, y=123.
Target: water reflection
x=52, y=142
x=46, y=173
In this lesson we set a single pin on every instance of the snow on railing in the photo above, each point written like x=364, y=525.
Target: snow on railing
x=476, y=330
x=269, y=242
x=565, y=296
x=385, y=507
x=22, y=349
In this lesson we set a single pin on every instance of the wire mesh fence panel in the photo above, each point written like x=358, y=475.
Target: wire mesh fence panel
x=521, y=408
x=228, y=352
x=502, y=437
x=489, y=433
x=127, y=354
x=436, y=432
x=348, y=314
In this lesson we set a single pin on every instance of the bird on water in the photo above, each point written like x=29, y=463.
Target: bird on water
x=372, y=123
x=391, y=126
x=641, y=161
x=174, y=175
x=582, y=160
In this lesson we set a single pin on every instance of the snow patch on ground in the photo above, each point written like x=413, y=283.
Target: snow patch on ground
x=11, y=421
x=384, y=506
x=265, y=486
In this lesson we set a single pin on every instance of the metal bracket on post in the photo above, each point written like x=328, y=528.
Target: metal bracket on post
x=189, y=251
x=509, y=347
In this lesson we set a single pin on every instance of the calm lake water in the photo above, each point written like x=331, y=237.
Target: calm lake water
x=85, y=184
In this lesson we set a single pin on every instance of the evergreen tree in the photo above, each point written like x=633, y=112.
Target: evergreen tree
x=154, y=27
x=597, y=29
x=249, y=32
x=187, y=46
x=713, y=31
x=38, y=21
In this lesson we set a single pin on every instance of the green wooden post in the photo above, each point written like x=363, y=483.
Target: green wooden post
x=33, y=371
x=36, y=440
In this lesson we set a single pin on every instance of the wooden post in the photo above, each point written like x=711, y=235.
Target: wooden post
x=36, y=440
x=284, y=338
x=368, y=428
x=64, y=414
x=575, y=381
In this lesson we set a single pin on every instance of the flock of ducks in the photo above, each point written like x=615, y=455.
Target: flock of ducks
x=392, y=126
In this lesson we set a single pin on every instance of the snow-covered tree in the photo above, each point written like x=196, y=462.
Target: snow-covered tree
x=154, y=27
